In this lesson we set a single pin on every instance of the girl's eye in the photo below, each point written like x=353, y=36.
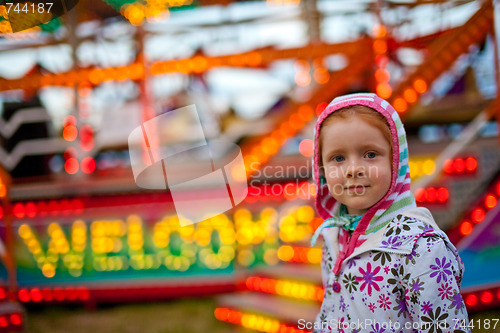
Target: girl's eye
x=371, y=154
x=338, y=158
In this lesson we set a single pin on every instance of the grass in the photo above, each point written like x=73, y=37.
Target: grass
x=179, y=316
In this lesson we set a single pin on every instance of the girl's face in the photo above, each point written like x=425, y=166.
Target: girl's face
x=356, y=162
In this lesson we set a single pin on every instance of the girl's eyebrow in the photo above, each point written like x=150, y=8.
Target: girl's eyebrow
x=333, y=151
x=372, y=146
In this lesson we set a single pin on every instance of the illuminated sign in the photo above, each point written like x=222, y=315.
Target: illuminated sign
x=83, y=251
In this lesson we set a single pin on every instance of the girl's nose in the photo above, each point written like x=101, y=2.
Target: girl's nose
x=355, y=170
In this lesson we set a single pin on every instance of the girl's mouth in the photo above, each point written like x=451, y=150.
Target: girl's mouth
x=357, y=188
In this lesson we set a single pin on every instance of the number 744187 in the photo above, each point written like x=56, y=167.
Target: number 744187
x=478, y=323
x=29, y=8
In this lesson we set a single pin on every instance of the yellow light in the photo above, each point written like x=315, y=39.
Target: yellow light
x=285, y=253
x=305, y=214
x=246, y=257
x=48, y=270
x=3, y=190
x=24, y=231
x=269, y=146
x=271, y=257
x=414, y=169
x=429, y=167
x=314, y=255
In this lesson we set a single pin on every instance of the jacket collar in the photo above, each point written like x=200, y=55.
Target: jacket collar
x=384, y=241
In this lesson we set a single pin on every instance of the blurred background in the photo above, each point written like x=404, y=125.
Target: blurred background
x=84, y=248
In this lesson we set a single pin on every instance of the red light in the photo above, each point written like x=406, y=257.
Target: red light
x=88, y=164
x=448, y=166
x=1, y=212
x=470, y=164
x=466, y=228
x=430, y=194
x=65, y=207
x=382, y=75
x=497, y=187
x=77, y=206
x=87, y=137
x=471, y=300
x=16, y=319
x=303, y=254
x=71, y=293
x=249, y=283
x=498, y=294
x=83, y=293
x=478, y=215
x=47, y=295
x=53, y=207
x=58, y=294
x=3, y=321
x=70, y=133
x=384, y=90
x=23, y=295
x=69, y=120
x=30, y=209
x=486, y=297
x=3, y=293
x=490, y=201
x=264, y=285
x=443, y=194
x=400, y=105
x=41, y=207
x=320, y=108
x=420, y=86
x=320, y=294
x=381, y=60
x=18, y=210
x=220, y=314
x=459, y=165
x=306, y=148
x=36, y=295
x=69, y=153
x=71, y=166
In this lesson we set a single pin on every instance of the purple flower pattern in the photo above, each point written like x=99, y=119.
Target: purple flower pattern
x=441, y=269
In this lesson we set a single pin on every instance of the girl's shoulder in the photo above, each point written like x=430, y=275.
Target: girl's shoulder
x=420, y=236
x=412, y=229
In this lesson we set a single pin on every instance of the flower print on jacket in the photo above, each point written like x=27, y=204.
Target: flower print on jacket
x=445, y=291
x=384, y=302
x=400, y=280
x=352, y=262
x=435, y=321
x=416, y=286
x=399, y=223
x=456, y=301
x=383, y=256
x=401, y=307
x=378, y=328
x=426, y=307
x=350, y=282
x=369, y=278
x=441, y=269
x=392, y=242
x=412, y=256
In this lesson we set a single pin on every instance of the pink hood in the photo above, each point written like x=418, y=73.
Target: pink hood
x=398, y=198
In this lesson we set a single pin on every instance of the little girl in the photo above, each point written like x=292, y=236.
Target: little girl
x=387, y=267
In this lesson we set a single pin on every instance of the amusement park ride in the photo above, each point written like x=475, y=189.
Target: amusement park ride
x=89, y=235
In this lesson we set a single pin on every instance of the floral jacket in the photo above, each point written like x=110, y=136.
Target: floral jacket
x=404, y=278
x=397, y=272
